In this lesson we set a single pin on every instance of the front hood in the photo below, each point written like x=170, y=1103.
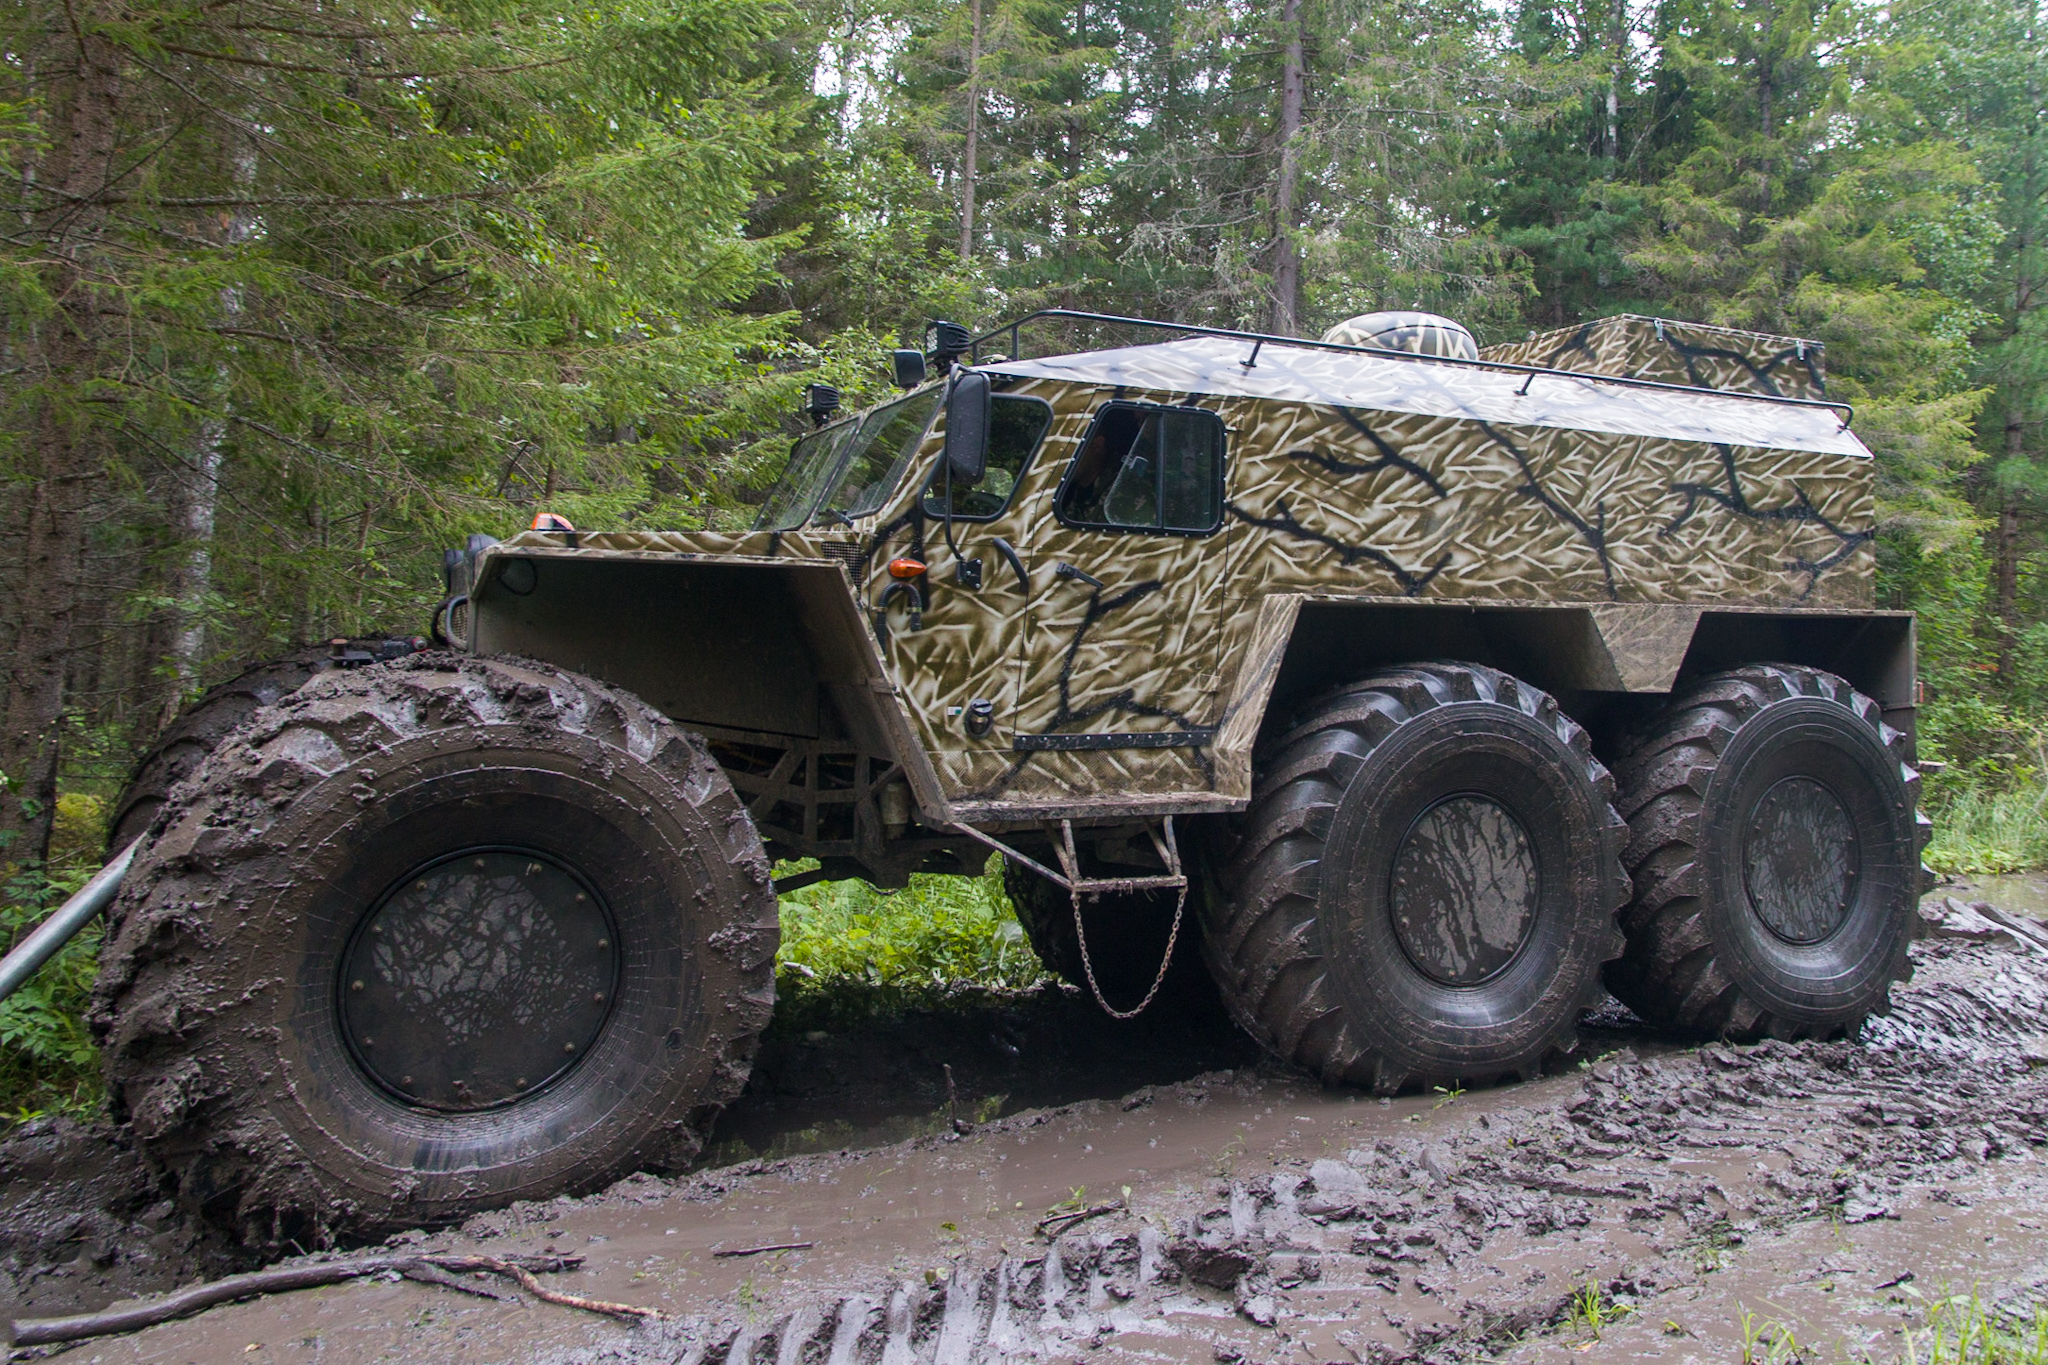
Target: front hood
x=741, y=544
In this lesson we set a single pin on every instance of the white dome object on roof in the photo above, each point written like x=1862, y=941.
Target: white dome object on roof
x=1416, y=333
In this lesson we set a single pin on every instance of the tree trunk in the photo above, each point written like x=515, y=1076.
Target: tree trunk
x=2005, y=558
x=1286, y=213
x=199, y=485
x=64, y=452
x=969, y=166
x=1617, y=42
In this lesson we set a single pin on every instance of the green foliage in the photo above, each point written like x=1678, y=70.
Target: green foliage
x=48, y=1062
x=900, y=948
x=1960, y=1329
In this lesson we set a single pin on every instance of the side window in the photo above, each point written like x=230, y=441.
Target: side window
x=1016, y=426
x=1147, y=468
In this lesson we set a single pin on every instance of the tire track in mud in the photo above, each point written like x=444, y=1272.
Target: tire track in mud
x=1433, y=1228
x=1452, y=1248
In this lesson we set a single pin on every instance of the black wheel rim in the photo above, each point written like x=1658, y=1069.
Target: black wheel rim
x=1463, y=890
x=479, y=979
x=1800, y=860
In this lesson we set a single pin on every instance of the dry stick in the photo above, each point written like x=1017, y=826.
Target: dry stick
x=422, y=1273
x=953, y=1119
x=542, y=1292
x=756, y=1251
x=1079, y=1215
x=134, y=1317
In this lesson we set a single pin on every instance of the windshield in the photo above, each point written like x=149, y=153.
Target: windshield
x=888, y=439
x=811, y=464
x=859, y=462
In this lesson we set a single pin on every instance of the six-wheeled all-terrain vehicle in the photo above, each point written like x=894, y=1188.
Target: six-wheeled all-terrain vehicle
x=1439, y=688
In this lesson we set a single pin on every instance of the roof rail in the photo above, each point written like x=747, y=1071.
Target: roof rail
x=1014, y=328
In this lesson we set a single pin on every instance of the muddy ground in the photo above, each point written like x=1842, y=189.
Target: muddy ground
x=1657, y=1203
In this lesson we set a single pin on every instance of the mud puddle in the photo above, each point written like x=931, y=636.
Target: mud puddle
x=2018, y=893
x=1269, y=1220
x=983, y=1055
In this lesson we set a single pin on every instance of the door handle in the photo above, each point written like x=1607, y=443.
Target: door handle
x=1009, y=553
x=1065, y=570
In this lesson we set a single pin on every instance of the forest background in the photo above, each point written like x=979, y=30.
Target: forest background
x=294, y=295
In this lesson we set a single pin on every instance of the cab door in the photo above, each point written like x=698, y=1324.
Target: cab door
x=1118, y=693
x=959, y=670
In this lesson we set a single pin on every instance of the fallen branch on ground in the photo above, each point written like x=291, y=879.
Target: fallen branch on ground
x=774, y=1246
x=428, y=1267
x=1068, y=1220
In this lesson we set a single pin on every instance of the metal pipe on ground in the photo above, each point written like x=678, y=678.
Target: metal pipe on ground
x=56, y=931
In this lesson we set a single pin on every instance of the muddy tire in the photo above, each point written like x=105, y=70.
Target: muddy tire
x=198, y=730
x=429, y=937
x=1127, y=933
x=1425, y=885
x=1774, y=846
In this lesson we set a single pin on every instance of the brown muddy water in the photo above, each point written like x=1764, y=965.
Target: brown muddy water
x=1652, y=1202
x=2019, y=893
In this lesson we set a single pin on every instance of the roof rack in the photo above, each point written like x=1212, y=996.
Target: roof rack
x=1014, y=328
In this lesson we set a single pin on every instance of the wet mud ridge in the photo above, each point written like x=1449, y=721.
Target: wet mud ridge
x=1447, y=1246
x=1256, y=1217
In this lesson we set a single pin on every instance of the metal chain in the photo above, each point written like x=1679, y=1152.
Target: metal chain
x=1088, y=968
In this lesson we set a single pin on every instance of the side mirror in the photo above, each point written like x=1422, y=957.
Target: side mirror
x=909, y=369
x=967, y=420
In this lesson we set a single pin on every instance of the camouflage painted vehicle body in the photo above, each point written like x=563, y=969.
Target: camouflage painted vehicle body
x=1588, y=526
x=1475, y=688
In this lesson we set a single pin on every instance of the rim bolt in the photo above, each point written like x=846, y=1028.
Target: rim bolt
x=369, y=1042
x=519, y=1084
x=405, y=1080
x=568, y=1047
x=598, y=997
x=355, y=985
x=604, y=943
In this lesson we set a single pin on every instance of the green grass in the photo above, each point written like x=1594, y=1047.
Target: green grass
x=1990, y=831
x=1960, y=1330
x=850, y=949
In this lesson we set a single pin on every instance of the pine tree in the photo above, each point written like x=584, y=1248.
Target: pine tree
x=344, y=272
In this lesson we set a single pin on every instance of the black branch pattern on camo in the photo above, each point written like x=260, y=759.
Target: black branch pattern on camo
x=1593, y=532
x=1690, y=353
x=1801, y=509
x=1283, y=521
x=1124, y=702
x=1389, y=458
x=913, y=519
x=1580, y=340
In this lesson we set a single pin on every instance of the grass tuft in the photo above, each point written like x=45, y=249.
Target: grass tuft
x=1991, y=831
x=1961, y=1330
x=848, y=948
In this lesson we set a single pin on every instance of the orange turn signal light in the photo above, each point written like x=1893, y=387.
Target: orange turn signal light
x=905, y=568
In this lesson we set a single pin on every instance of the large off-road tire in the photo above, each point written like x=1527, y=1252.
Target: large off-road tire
x=1774, y=846
x=198, y=730
x=429, y=937
x=1425, y=885
x=1127, y=936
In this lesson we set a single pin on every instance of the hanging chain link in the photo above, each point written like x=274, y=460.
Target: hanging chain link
x=1088, y=968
